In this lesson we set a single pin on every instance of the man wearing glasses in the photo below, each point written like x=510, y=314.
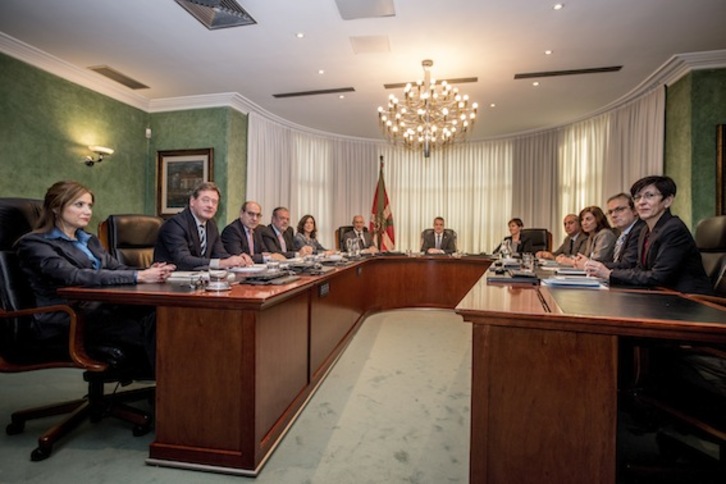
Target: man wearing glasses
x=244, y=235
x=621, y=210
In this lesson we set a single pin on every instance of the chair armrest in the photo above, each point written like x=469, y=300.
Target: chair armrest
x=76, y=347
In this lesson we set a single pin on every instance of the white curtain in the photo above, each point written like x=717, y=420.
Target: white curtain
x=327, y=177
x=476, y=187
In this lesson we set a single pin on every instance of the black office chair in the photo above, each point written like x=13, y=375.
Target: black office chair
x=130, y=238
x=340, y=235
x=541, y=239
x=20, y=352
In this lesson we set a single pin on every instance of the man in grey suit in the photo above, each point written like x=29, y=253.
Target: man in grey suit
x=572, y=245
x=438, y=240
x=365, y=240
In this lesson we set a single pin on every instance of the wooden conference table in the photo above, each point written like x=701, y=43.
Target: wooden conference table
x=544, y=374
x=235, y=368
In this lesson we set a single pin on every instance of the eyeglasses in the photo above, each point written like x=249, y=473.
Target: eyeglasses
x=254, y=214
x=617, y=210
x=213, y=201
x=648, y=196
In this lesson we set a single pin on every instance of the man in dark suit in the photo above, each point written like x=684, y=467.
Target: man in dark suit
x=244, y=235
x=365, y=240
x=667, y=254
x=621, y=210
x=573, y=244
x=190, y=239
x=279, y=238
x=438, y=240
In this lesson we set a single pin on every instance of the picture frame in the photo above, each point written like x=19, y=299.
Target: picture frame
x=720, y=167
x=178, y=172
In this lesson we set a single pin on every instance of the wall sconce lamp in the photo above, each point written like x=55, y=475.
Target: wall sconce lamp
x=101, y=152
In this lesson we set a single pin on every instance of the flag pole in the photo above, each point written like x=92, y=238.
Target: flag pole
x=381, y=202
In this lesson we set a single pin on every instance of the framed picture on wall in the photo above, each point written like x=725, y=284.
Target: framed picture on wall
x=720, y=167
x=178, y=172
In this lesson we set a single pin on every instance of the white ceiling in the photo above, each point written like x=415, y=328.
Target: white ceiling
x=159, y=44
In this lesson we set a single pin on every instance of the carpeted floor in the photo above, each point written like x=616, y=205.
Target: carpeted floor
x=395, y=408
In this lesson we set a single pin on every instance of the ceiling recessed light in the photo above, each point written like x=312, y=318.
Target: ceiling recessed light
x=299, y=35
x=548, y=52
x=321, y=71
x=535, y=83
x=558, y=6
x=492, y=105
x=342, y=96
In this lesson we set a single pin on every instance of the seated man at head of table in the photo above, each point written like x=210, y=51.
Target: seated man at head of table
x=365, y=240
x=279, y=238
x=574, y=241
x=244, y=235
x=439, y=241
x=190, y=239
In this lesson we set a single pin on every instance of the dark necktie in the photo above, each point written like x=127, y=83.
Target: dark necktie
x=202, y=238
x=619, y=247
x=362, y=241
x=572, y=247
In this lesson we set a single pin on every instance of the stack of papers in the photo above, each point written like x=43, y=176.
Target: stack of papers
x=249, y=269
x=571, y=271
x=573, y=281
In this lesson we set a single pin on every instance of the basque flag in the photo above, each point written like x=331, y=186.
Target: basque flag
x=381, y=225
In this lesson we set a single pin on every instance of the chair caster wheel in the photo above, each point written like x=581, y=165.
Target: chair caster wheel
x=140, y=430
x=14, y=428
x=40, y=454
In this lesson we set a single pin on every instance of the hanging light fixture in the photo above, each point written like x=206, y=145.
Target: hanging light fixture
x=429, y=116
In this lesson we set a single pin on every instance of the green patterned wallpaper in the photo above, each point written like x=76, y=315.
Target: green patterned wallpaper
x=695, y=105
x=47, y=124
x=222, y=129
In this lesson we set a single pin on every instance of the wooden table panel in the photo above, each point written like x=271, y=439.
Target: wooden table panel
x=550, y=400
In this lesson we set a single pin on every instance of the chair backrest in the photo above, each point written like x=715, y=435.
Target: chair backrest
x=541, y=239
x=131, y=238
x=18, y=216
x=711, y=242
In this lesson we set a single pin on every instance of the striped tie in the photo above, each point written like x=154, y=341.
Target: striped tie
x=203, y=238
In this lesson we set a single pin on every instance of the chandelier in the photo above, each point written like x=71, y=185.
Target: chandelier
x=429, y=116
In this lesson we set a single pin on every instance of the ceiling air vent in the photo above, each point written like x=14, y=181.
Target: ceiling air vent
x=314, y=93
x=217, y=14
x=569, y=72
x=118, y=77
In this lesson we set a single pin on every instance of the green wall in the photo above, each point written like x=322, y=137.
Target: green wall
x=224, y=130
x=47, y=124
x=695, y=105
